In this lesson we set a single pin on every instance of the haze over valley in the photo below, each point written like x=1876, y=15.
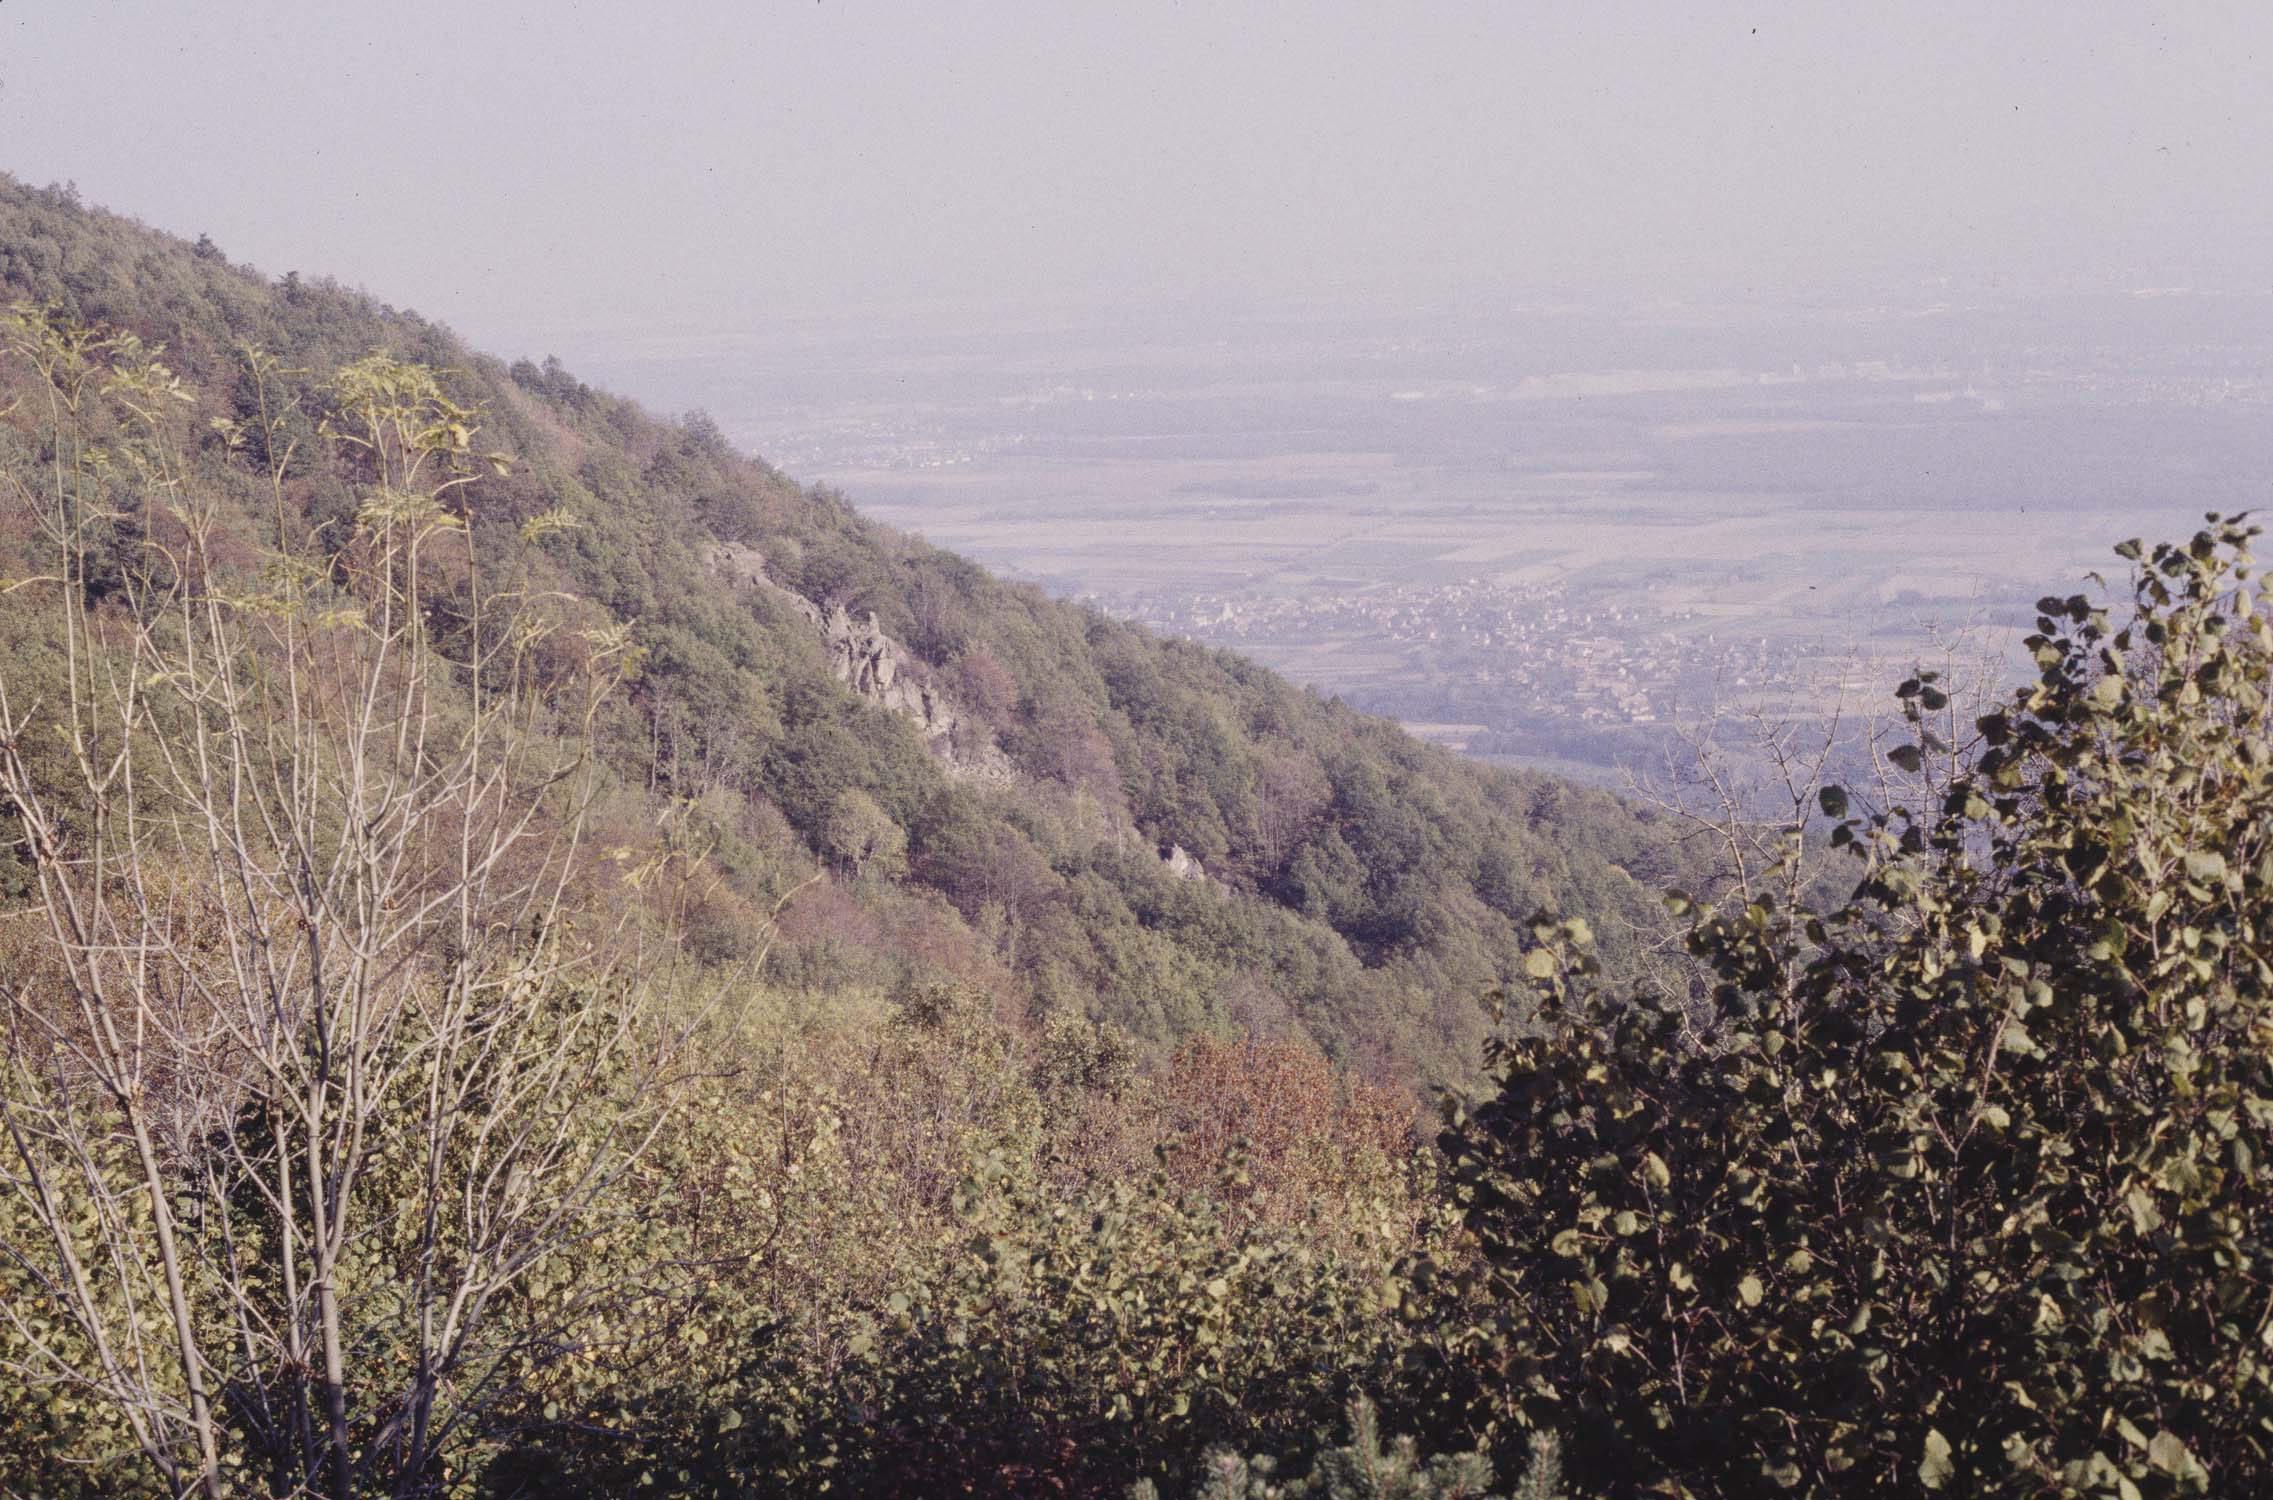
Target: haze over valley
x=1548, y=530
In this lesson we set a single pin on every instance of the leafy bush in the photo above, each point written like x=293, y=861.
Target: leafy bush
x=1367, y=1469
x=1963, y=1187
x=938, y=1262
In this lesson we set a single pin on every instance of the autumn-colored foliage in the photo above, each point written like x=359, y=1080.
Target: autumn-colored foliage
x=1308, y=1136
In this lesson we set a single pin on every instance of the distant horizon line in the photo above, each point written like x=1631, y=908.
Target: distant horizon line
x=934, y=314
x=948, y=312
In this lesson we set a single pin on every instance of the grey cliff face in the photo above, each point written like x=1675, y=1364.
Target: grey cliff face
x=1182, y=864
x=878, y=668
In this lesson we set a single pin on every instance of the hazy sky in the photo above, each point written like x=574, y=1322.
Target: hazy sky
x=526, y=170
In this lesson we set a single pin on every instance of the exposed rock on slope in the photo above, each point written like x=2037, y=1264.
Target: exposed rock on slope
x=880, y=669
x=871, y=663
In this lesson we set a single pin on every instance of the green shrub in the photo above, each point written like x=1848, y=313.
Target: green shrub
x=1367, y=1469
x=1964, y=1185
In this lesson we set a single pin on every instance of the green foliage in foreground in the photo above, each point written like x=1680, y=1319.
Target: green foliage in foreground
x=1367, y=1469
x=1042, y=1326
x=1079, y=1343
x=1966, y=1186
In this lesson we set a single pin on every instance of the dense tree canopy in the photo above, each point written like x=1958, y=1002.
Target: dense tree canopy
x=1364, y=887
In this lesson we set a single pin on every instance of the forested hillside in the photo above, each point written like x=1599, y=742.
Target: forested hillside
x=1000, y=806
x=539, y=958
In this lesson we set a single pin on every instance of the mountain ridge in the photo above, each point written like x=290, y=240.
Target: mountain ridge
x=1002, y=804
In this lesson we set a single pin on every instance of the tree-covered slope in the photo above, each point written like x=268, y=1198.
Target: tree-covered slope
x=992, y=798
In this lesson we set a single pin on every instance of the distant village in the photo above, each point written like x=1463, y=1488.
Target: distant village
x=1481, y=666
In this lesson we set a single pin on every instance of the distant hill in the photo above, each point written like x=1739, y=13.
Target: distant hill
x=960, y=779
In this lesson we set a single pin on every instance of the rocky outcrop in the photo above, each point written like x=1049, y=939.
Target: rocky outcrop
x=879, y=669
x=875, y=666
x=744, y=564
x=882, y=670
